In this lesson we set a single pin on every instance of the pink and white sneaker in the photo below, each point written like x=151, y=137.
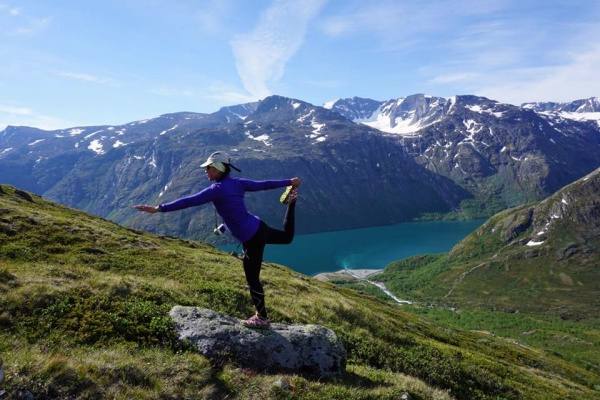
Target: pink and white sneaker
x=256, y=321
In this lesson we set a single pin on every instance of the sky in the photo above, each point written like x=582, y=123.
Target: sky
x=70, y=63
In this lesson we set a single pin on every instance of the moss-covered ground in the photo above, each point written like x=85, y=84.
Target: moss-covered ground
x=83, y=314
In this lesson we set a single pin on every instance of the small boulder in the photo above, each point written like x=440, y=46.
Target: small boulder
x=304, y=349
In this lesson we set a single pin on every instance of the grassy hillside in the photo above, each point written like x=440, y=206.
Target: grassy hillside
x=538, y=258
x=83, y=314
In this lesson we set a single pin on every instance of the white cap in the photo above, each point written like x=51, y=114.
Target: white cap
x=218, y=159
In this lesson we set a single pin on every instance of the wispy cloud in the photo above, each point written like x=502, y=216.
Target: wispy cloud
x=262, y=54
x=32, y=26
x=575, y=79
x=391, y=20
x=84, y=77
x=225, y=94
x=25, y=116
x=169, y=91
x=212, y=15
x=454, y=77
x=10, y=10
x=219, y=93
x=4, y=109
x=325, y=83
x=17, y=23
x=493, y=48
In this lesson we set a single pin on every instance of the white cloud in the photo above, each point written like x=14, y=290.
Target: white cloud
x=262, y=54
x=24, y=116
x=453, y=77
x=84, y=77
x=212, y=15
x=8, y=9
x=391, y=19
x=578, y=78
x=169, y=91
x=225, y=94
x=4, y=109
x=219, y=93
x=32, y=27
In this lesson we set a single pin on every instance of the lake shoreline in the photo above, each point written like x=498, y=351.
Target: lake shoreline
x=366, y=248
x=359, y=275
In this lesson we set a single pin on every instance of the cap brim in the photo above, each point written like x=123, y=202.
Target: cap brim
x=206, y=164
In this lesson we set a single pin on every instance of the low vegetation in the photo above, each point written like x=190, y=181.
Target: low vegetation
x=83, y=312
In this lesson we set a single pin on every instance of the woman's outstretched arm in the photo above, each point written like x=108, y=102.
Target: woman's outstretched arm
x=253, y=186
x=197, y=199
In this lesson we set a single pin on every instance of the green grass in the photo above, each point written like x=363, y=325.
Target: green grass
x=83, y=312
x=490, y=270
x=578, y=342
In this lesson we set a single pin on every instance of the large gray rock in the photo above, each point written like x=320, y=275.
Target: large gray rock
x=305, y=349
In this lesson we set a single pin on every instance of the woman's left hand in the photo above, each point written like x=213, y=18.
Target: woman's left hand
x=146, y=208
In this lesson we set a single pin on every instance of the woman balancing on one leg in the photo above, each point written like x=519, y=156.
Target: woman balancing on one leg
x=227, y=194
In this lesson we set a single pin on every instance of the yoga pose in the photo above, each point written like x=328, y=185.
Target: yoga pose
x=227, y=195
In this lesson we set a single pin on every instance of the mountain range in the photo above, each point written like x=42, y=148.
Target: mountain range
x=364, y=162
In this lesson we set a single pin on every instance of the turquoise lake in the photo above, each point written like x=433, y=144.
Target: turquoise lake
x=368, y=247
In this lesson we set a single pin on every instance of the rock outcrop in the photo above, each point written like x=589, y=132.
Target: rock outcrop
x=306, y=349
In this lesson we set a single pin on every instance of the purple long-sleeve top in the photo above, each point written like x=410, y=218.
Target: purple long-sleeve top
x=228, y=197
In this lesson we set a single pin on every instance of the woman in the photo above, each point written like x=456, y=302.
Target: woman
x=227, y=195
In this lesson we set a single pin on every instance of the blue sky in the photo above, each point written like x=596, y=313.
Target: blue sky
x=68, y=63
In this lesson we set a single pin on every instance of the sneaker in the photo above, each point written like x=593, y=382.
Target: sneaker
x=289, y=195
x=256, y=321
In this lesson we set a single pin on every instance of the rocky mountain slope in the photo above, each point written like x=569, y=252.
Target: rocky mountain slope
x=352, y=176
x=364, y=162
x=541, y=257
x=504, y=155
x=84, y=313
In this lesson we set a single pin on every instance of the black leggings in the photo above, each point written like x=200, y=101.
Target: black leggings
x=253, y=256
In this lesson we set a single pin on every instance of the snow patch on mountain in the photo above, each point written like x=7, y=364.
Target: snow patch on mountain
x=92, y=134
x=532, y=243
x=118, y=144
x=36, y=142
x=152, y=161
x=264, y=138
x=96, y=147
x=379, y=120
x=581, y=116
x=165, y=189
x=76, y=131
x=329, y=104
x=479, y=109
x=168, y=130
x=302, y=119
